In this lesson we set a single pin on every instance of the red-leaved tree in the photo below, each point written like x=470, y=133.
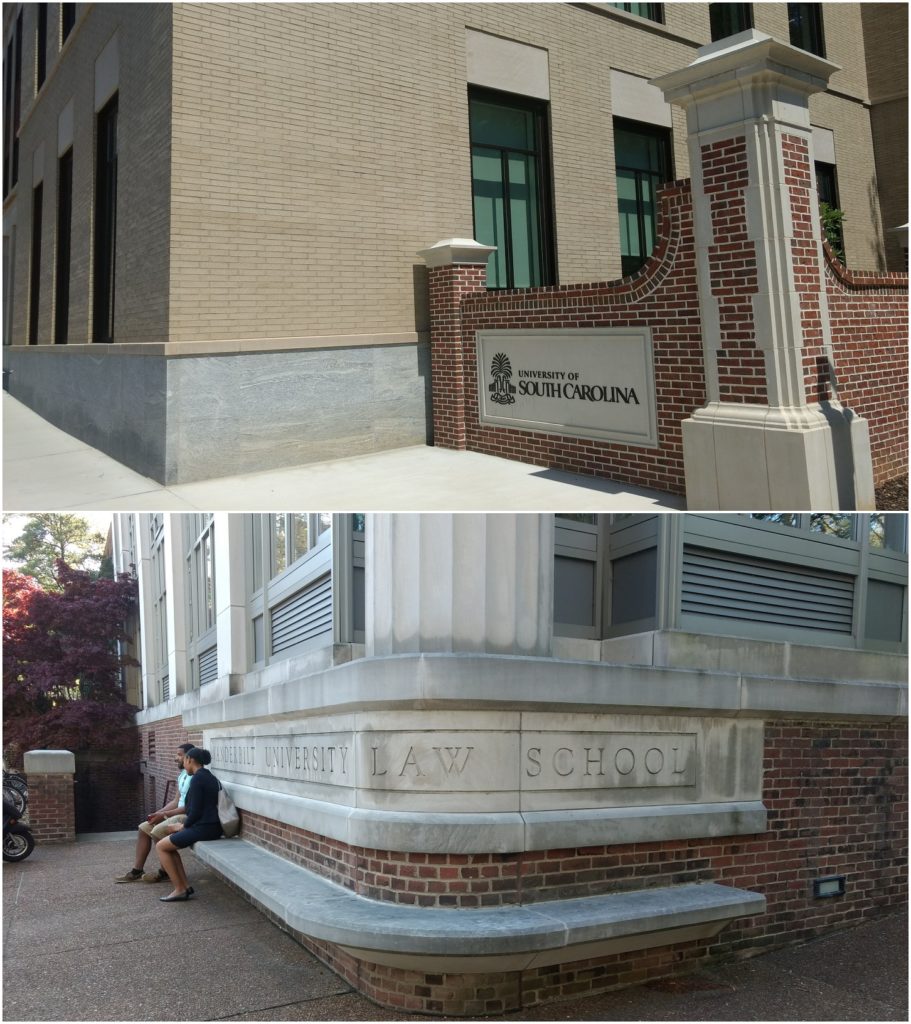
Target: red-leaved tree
x=62, y=664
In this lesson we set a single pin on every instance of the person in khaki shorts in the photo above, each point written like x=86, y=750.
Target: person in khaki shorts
x=160, y=824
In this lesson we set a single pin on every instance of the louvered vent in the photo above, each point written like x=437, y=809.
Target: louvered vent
x=208, y=666
x=165, y=688
x=304, y=616
x=755, y=590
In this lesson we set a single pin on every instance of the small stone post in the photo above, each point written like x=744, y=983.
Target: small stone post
x=51, y=803
x=456, y=266
x=773, y=434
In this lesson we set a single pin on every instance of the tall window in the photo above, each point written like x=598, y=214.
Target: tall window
x=67, y=21
x=159, y=649
x=643, y=159
x=34, y=298
x=105, y=223
x=510, y=183
x=293, y=534
x=827, y=188
x=729, y=19
x=41, y=46
x=805, y=24
x=64, y=221
x=200, y=561
x=12, y=101
x=654, y=12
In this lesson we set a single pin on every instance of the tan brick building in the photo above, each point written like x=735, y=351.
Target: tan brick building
x=243, y=188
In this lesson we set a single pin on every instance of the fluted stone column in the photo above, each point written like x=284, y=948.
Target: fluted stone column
x=468, y=582
x=772, y=388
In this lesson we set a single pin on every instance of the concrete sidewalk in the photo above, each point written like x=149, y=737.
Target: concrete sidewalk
x=79, y=947
x=46, y=469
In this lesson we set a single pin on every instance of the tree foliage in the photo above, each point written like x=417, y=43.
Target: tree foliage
x=62, y=664
x=51, y=536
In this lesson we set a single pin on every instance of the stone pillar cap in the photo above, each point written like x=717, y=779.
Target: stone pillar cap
x=456, y=250
x=49, y=762
x=742, y=55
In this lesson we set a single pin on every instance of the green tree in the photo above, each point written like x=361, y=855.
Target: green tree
x=49, y=536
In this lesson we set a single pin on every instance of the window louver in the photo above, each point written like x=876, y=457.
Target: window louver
x=754, y=590
x=208, y=666
x=302, y=617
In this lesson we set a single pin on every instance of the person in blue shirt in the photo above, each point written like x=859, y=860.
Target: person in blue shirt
x=158, y=825
x=201, y=823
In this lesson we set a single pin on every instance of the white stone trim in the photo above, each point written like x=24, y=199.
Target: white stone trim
x=505, y=64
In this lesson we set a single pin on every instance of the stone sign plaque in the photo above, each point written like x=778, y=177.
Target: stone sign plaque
x=597, y=383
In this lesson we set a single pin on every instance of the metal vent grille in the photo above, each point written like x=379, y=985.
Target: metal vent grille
x=755, y=590
x=208, y=666
x=165, y=688
x=304, y=616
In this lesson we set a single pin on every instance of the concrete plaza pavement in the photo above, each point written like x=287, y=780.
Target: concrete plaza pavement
x=77, y=946
x=46, y=469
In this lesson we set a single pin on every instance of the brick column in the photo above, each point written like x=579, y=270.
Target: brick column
x=769, y=367
x=456, y=267
x=51, y=806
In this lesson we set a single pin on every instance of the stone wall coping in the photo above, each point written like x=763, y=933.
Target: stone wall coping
x=477, y=681
x=222, y=346
x=322, y=910
x=456, y=251
x=49, y=762
x=499, y=831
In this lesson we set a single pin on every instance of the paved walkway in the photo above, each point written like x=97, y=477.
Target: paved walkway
x=45, y=469
x=78, y=947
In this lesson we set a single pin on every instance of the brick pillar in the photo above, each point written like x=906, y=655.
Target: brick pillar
x=456, y=267
x=51, y=806
x=770, y=379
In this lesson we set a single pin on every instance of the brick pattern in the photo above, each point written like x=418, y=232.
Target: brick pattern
x=733, y=273
x=837, y=799
x=661, y=295
x=868, y=314
x=448, y=285
x=51, y=812
x=159, y=741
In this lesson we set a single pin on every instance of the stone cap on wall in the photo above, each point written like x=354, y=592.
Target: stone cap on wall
x=49, y=762
x=456, y=250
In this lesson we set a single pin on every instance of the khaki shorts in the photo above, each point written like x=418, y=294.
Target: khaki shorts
x=163, y=828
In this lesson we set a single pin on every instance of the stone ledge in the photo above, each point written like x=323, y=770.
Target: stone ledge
x=499, y=832
x=501, y=938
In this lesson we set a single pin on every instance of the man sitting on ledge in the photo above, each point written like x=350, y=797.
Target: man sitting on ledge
x=158, y=825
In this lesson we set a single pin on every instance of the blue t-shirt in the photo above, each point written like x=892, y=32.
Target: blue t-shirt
x=183, y=787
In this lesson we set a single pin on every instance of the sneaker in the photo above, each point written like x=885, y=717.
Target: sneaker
x=155, y=876
x=131, y=876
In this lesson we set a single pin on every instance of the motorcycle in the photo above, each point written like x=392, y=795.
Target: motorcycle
x=18, y=842
x=15, y=789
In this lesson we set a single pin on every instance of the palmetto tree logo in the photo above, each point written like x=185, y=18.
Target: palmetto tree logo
x=501, y=391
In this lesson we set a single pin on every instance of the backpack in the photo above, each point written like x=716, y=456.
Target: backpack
x=227, y=813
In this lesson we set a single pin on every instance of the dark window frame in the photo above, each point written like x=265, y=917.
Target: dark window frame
x=105, y=234
x=665, y=136
x=540, y=109
x=34, y=288
x=67, y=21
x=805, y=28
x=655, y=11
x=722, y=17
x=64, y=238
x=12, y=105
x=41, y=47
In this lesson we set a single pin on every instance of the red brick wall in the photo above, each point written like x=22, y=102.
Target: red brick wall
x=732, y=268
x=158, y=745
x=661, y=295
x=51, y=815
x=868, y=313
x=837, y=800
